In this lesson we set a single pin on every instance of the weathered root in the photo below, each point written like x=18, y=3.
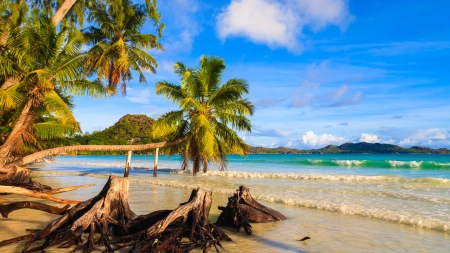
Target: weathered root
x=5, y=210
x=20, y=177
x=163, y=230
x=34, y=194
x=242, y=209
x=107, y=212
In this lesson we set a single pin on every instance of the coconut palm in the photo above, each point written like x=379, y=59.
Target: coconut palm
x=210, y=112
x=39, y=106
x=118, y=46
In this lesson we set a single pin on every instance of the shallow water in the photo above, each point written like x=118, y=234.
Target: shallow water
x=343, y=208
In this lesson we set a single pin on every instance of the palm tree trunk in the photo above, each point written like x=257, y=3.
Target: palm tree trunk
x=10, y=82
x=56, y=151
x=25, y=119
x=62, y=11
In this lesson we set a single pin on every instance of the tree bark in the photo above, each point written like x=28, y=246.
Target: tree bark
x=162, y=231
x=22, y=123
x=242, y=209
x=18, y=176
x=56, y=151
x=62, y=11
x=5, y=210
x=40, y=195
x=109, y=209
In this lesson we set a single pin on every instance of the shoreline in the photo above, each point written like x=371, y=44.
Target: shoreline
x=329, y=232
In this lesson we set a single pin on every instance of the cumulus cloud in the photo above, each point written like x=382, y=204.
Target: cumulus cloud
x=280, y=23
x=432, y=137
x=370, y=138
x=312, y=140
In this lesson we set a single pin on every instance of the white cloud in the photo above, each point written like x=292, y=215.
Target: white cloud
x=370, y=138
x=280, y=23
x=138, y=96
x=432, y=137
x=312, y=140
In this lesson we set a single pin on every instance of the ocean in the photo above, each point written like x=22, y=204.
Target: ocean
x=344, y=202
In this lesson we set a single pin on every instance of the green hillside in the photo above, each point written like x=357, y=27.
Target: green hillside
x=130, y=129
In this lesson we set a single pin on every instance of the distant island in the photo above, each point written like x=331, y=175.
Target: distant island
x=136, y=129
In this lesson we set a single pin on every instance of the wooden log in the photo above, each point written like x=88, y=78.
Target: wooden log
x=15, y=239
x=68, y=189
x=5, y=210
x=242, y=209
x=164, y=234
x=246, y=198
x=127, y=164
x=20, y=177
x=107, y=211
x=155, y=164
x=40, y=195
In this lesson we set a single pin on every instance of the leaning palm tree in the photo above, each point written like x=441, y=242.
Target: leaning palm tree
x=39, y=106
x=118, y=45
x=209, y=114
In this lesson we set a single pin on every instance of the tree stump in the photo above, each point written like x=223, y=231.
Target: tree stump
x=20, y=177
x=107, y=212
x=163, y=231
x=242, y=209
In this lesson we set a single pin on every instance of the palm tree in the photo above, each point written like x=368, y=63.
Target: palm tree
x=209, y=114
x=118, y=46
x=39, y=106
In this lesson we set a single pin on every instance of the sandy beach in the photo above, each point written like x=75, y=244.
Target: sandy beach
x=329, y=232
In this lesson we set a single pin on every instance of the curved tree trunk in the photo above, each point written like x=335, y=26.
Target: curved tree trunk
x=62, y=11
x=56, y=151
x=25, y=119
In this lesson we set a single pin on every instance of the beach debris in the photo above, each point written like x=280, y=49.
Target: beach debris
x=17, y=239
x=108, y=211
x=5, y=210
x=180, y=230
x=304, y=238
x=20, y=177
x=163, y=231
x=242, y=209
x=34, y=194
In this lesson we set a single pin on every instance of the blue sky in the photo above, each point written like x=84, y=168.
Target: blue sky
x=320, y=71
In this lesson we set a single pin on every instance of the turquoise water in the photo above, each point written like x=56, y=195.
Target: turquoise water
x=412, y=190
x=345, y=203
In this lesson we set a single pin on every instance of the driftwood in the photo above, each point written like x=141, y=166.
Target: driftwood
x=109, y=213
x=68, y=189
x=106, y=212
x=5, y=210
x=162, y=231
x=40, y=195
x=20, y=177
x=242, y=209
x=19, y=238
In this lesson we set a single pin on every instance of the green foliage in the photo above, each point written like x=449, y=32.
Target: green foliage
x=130, y=129
x=209, y=114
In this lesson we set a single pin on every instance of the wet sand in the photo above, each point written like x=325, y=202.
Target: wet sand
x=329, y=231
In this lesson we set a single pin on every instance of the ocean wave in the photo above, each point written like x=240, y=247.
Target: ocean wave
x=398, y=216
x=377, y=213
x=329, y=177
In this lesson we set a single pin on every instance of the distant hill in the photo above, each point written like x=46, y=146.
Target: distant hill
x=136, y=129
x=130, y=129
x=353, y=148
